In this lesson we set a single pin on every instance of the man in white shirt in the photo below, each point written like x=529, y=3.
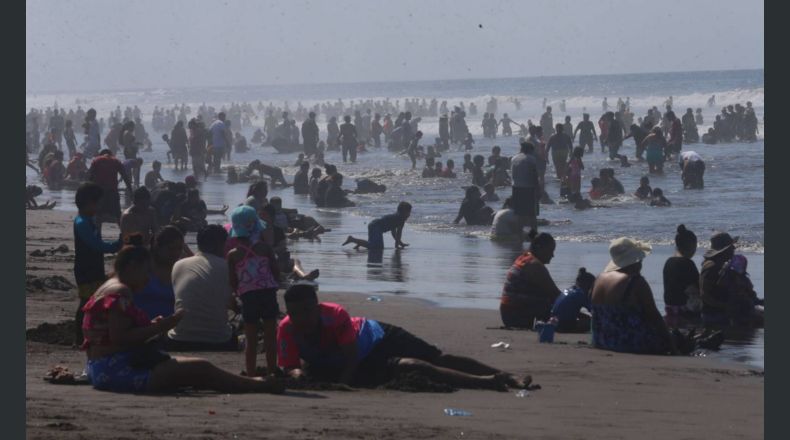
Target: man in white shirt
x=202, y=290
x=693, y=169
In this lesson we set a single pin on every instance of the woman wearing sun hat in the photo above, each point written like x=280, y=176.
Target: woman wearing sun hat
x=714, y=290
x=625, y=317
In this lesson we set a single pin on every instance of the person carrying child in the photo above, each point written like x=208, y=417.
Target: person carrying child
x=253, y=274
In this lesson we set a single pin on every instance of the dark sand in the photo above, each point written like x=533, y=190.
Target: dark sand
x=585, y=393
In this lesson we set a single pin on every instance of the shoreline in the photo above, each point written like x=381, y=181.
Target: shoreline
x=584, y=392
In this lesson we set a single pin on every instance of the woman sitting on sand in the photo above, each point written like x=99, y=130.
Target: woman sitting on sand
x=116, y=335
x=625, y=317
x=157, y=297
x=530, y=292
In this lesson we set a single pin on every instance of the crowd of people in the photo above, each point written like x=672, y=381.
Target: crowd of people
x=163, y=290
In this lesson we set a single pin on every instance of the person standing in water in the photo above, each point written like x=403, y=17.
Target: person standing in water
x=310, y=135
x=526, y=192
x=547, y=123
x=219, y=136
x=586, y=130
x=560, y=145
x=348, y=139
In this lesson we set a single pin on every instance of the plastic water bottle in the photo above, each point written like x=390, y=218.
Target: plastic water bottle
x=454, y=412
x=374, y=298
x=522, y=393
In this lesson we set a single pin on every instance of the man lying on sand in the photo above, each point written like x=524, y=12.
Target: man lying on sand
x=322, y=341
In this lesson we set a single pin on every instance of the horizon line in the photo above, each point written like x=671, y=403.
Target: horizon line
x=111, y=90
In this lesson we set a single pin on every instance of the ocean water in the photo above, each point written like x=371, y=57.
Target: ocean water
x=457, y=265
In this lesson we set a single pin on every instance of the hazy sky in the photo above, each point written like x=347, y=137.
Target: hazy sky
x=98, y=45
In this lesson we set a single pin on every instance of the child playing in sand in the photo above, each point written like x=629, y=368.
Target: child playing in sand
x=644, y=191
x=377, y=228
x=659, y=199
x=490, y=195
x=567, y=307
x=153, y=177
x=253, y=273
x=89, y=250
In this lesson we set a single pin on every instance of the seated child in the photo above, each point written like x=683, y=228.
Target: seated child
x=154, y=177
x=744, y=306
x=468, y=163
x=448, y=171
x=429, y=171
x=490, y=195
x=567, y=307
x=644, y=191
x=596, y=192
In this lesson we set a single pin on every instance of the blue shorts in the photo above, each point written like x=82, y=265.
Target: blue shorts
x=114, y=373
x=258, y=305
x=375, y=236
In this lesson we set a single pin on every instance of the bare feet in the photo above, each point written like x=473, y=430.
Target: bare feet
x=269, y=384
x=349, y=240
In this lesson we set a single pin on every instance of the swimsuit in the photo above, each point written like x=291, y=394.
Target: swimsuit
x=622, y=328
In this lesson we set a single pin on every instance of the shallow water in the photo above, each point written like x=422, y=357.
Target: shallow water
x=454, y=265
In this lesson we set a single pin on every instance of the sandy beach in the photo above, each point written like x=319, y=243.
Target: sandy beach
x=585, y=393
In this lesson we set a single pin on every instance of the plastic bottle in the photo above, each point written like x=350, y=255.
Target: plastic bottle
x=374, y=298
x=455, y=412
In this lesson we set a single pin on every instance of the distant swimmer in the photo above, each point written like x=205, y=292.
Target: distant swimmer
x=711, y=101
x=562, y=106
x=604, y=105
x=698, y=117
x=644, y=191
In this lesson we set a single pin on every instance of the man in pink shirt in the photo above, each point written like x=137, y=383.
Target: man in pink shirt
x=321, y=340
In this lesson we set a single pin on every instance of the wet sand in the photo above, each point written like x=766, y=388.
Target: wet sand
x=585, y=393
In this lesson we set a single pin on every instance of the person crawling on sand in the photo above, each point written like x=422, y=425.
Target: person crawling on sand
x=581, y=203
x=567, y=307
x=389, y=223
x=322, y=341
x=116, y=336
x=274, y=173
x=529, y=291
x=33, y=191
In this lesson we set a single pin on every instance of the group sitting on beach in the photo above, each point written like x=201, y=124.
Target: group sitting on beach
x=618, y=306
